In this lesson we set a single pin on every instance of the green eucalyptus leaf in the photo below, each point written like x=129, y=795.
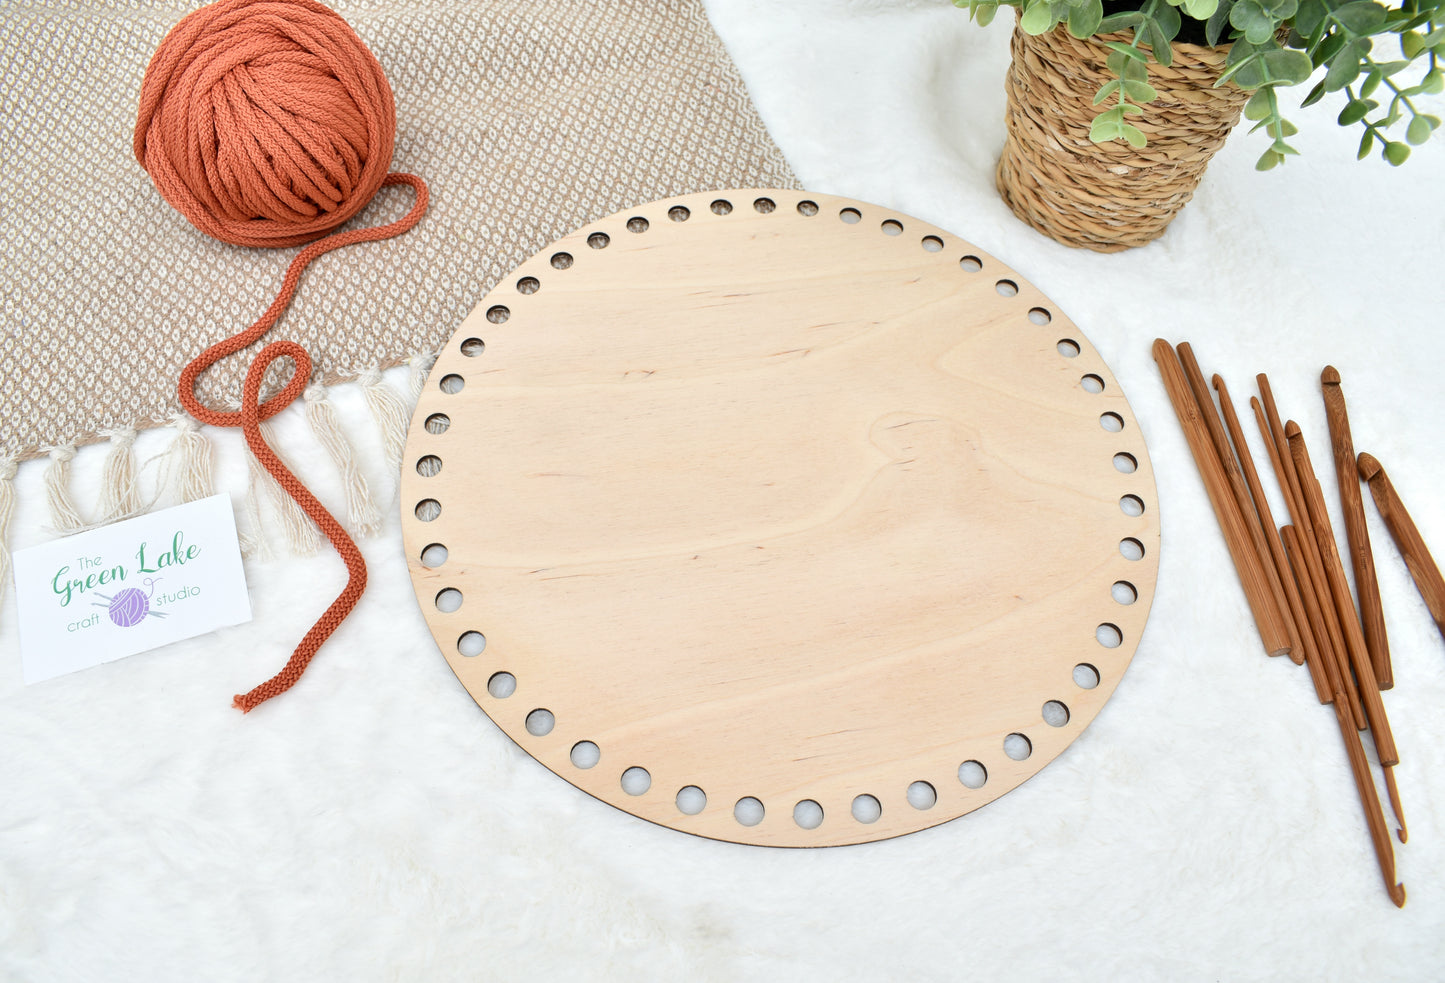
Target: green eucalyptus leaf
x=1290, y=67
x=1316, y=94
x=1359, y=16
x=1159, y=44
x=1140, y=91
x=1329, y=47
x=1134, y=54
x=1311, y=15
x=1201, y=9
x=1433, y=82
x=1084, y=20
x=1114, y=114
x=1356, y=110
x=1268, y=160
x=1214, y=29
x=1137, y=71
x=984, y=15
x=1393, y=116
x=1389, y=68
x=1125, y=20
x=1258, y=106
x=1115, y=63
x=1106, y=90
x=1419, y=130
x=1167, y=17
x=1412, y=43
x=1435, y=37
x=1396, y=152
x=1038, y=18
x=1371, y=83
x=1104, y=130
x=1281, y=10
x=1135, y=136
x=1131, y=109
x=1250, y=74
x=1344, y=69
x=1367, y=142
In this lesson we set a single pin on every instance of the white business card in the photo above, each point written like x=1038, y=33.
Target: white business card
x=129, y=587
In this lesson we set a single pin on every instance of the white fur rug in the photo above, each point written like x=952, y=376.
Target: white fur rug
x=374, y=825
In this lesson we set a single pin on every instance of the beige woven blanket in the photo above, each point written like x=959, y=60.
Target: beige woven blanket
x=528, y=118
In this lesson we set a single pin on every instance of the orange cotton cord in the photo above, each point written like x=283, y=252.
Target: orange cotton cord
x=253, y=411
x=270, y=123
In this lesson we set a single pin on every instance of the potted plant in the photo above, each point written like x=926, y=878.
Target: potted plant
x=1116, y=106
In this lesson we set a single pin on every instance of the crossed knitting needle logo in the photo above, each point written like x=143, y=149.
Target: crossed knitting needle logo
x=130, y=606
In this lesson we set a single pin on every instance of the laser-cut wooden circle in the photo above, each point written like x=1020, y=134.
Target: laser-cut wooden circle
x=770, y=503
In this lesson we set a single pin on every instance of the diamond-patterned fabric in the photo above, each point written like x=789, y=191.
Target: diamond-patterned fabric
x=527, y=119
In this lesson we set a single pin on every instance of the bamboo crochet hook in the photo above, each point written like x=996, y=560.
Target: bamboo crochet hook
x=1372, y=617
x=1412, y=547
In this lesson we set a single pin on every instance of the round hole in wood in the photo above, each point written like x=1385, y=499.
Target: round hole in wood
x=807, y=208
x=748, y=811
x=932, y=244
x=1125, y=463
x=433, y=555
x=1124, y=592
x=764, y=206
x=501, y=685
x=691, y=800
x=1131, y=549
x=429, y=465
x=851, y=216
x=972, y=774
x=472, y=347
x=599, y=240
x=970, y=264
x=599, y=563
x=1055, y=713
x=1067, y=347
x=528, y=285
x=1040, y=315
x=1131, y=505
x=452, y=383
x=867, y=808
x=540, y=722
x=471, y=644
x=638, y=224
x=1007, y=288
x=1111, y=422
x=561, y=261
x=437, y=424
x=585, y=754
x=808, y=814
x=1018, y=747
x=892, y=227
x=448, y=599
x=1085, y=676
x=428, y=509
x=1109, y=636
x=679, y=213
x=922, y=795
x=636, y=780
x=721, y=206
x=1092, y=383
x=498, y=313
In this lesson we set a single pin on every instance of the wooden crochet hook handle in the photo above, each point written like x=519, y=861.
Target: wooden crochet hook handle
x=1372, y=617
x=1412, y=547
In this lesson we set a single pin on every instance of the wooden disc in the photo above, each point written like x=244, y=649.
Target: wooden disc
x=775, y=503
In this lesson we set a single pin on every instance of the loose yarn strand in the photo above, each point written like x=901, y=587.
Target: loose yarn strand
x=270, y=123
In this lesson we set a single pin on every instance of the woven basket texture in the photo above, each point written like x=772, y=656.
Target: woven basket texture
x=1107, y=196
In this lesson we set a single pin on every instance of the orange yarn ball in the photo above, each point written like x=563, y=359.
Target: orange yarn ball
x=265, y=122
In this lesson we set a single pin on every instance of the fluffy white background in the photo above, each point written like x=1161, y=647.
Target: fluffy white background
x=374, y=825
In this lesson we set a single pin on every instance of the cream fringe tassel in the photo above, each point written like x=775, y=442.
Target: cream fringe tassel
x=8, y=469
x=187, y=465
x=361, y=514
x=64, y=516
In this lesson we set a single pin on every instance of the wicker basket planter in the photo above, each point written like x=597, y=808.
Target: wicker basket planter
x=1107, y=196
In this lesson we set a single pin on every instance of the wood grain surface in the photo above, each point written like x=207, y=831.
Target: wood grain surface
x=786, y=497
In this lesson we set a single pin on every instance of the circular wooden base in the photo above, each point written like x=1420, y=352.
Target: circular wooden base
x=779, y=518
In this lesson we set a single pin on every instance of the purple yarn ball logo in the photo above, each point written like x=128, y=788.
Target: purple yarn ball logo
x=131, y=606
